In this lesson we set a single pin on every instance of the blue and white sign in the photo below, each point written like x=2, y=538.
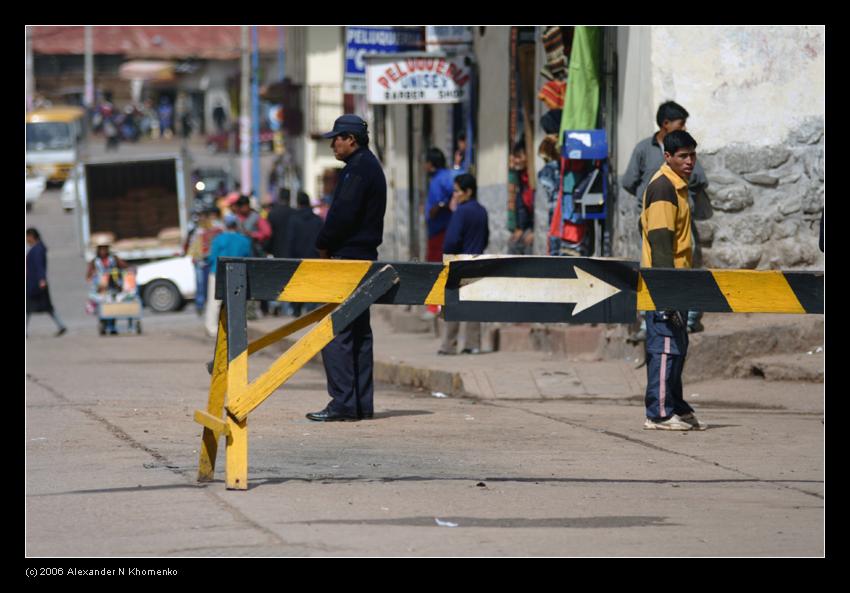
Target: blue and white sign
x=360, y=41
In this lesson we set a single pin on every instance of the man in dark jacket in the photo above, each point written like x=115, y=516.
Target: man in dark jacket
x=38, y=294
x=353, y=229
x=304, y=228
x=354, y=226
x=279, y=220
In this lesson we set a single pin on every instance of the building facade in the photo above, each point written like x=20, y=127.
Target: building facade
x=756, y=97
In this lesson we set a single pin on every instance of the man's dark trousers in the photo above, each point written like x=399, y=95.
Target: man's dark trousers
x=348, y=361
x=666, y=349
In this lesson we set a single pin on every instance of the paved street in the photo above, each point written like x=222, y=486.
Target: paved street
x=112, y=453
x=111, y=459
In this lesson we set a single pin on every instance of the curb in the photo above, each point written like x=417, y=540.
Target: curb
x=721, y=354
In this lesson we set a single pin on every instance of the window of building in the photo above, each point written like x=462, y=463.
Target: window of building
x=324, y=104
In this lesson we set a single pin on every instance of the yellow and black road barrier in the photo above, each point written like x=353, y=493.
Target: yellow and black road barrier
x=508, y=289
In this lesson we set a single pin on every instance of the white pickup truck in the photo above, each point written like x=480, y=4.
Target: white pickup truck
x=139, y=201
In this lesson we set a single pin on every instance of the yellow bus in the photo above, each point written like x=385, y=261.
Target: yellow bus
x=54, y=137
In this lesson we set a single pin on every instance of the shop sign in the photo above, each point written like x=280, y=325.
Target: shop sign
x=360, y=41
x=445, y=38
x=419, y=78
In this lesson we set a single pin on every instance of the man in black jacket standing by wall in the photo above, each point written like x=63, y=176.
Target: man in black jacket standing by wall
x=353, y=229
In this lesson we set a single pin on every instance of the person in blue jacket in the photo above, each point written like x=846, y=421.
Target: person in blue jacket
x=437, y=210
x=468, y=233
x=230, y=243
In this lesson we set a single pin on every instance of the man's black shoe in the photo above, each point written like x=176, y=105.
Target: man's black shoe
x=328, y=416
x=367, y=416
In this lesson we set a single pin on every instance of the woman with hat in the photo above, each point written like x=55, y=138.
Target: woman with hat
x=104, y=272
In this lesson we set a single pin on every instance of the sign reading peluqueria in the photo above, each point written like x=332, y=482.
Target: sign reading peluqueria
x=416, y=78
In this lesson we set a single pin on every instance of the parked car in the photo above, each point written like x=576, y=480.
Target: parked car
x=35, y=187
x=218, y=142
x=166, y=285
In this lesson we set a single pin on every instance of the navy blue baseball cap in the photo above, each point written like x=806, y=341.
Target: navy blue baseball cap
x=347, y=124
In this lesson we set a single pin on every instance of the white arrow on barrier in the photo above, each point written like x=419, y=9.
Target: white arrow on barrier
x=585, y=290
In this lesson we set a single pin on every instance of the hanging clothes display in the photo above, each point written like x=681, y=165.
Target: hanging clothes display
x=552, y=94
x=568, y=231
x=581, y=102
x=551, y=122
x=556, y=59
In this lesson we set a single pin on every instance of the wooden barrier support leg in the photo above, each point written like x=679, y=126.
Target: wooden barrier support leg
x=215, y=405
x=236, y=462
x=236, y=299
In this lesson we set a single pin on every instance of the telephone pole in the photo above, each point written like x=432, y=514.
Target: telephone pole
x=245, y=113
x=255, y=112
x=88, y=100
x=30, y=79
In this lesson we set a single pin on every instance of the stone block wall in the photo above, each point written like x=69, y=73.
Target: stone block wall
x=762, y=209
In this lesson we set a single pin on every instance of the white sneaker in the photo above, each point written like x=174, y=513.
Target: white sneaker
x=693, y=421
x=672, y=423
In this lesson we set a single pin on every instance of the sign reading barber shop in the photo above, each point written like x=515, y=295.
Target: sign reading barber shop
x=417, y=78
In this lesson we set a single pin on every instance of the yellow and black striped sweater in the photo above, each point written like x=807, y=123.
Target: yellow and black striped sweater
x=666, y=222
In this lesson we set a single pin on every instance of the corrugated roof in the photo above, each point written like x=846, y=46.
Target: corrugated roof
x=211, y=42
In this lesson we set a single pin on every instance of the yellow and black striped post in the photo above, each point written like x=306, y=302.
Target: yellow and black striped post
x=731, y=291
x=485, y=288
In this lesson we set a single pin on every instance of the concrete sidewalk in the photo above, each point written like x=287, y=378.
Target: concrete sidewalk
x=715, y=375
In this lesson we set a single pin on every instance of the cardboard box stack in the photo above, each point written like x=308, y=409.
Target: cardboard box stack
x=139, y=218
